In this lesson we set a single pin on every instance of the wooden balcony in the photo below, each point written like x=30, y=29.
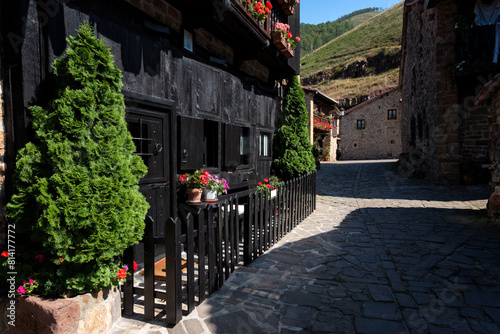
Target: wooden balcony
x=232, y=22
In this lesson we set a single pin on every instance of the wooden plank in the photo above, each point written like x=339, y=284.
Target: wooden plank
x=212, y=251
x=220, y=251
x=190, y=264
x=128, y=287
x=149, y=264
x=227, y=254
x=202, y=275
x=248, y=224
x=173, y=279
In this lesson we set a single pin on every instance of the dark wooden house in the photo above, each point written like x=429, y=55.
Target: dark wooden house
x=201, y=82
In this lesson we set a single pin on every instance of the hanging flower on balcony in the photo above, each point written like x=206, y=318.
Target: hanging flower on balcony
x=259, y=9
x=322, y=125
x=283, y=38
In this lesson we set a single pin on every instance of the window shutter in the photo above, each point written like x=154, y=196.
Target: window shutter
x=232, y=146
x=191, y=143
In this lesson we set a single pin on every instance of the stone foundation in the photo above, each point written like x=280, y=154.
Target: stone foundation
x=84, y=314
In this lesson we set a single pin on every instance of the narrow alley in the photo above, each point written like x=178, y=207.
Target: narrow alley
x=381, y=254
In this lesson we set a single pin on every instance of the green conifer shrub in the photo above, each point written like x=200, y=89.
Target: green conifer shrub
x=77, y=201
x=292, y=150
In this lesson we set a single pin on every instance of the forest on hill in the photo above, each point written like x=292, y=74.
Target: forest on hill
x=363, y=61
x=314, y=36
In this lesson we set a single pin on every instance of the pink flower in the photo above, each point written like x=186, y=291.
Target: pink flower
x=135, y=266
x=31, y=281
x=39, y=257
x=21, y=290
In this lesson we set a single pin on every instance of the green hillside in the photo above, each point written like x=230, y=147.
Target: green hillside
x=314, y=36
x=362, y=60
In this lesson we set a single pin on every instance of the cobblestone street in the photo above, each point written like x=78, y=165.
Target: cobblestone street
x=381, y=254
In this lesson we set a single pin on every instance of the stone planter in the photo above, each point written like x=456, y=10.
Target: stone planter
x=83, y=314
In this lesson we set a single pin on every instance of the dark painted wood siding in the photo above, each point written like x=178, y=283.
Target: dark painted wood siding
x=153, y=64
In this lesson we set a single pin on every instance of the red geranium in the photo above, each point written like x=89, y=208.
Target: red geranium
x=122, y=273
x=5, y=254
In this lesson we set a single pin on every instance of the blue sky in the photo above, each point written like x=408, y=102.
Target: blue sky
x=319, y=11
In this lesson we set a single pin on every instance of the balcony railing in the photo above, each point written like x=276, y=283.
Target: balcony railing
x=267, y=25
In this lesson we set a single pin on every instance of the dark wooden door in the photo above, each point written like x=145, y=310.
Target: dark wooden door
x=149, y=129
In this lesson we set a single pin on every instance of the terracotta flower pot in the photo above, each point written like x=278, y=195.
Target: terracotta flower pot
x=194, y=195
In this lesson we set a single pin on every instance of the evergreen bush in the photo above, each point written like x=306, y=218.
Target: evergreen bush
x=77, y=204
x=292, y=150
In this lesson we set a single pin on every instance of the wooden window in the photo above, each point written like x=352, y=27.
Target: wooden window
x=245, y=146
x=232, y=136
x=265, y=144
x=392, y=114
x=360, y=124
x=199, y=143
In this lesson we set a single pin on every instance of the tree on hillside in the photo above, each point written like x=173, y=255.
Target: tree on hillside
x=292, y=149
x=77, y=205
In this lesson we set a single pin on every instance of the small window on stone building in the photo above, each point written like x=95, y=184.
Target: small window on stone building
x=392, y=114
x=393, y=141
x=360, y=124
x=355, y=145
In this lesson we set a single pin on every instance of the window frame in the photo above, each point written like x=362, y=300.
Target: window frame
x=392, y=116
x=360, y=124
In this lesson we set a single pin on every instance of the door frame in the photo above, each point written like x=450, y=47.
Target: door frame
x=145, y=102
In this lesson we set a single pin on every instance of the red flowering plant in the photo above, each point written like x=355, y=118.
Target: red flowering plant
x=4, y=264
x=199, y=179
x=284, y=30
x=259, y=9
x=270, y=183
x=321, y=125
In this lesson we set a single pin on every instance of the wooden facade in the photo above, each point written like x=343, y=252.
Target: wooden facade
x=201, y=82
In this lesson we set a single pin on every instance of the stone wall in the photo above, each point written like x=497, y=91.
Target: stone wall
x=381, y=137
x=437, y=125
x=90, y=313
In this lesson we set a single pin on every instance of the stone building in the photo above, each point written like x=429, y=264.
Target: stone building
x=323, y=122
x=200, y=79
x=447, y=58
x=372, y=129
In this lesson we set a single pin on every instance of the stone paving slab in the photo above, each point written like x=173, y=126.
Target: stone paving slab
x=381, y=254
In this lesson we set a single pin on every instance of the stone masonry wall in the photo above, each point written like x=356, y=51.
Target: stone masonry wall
x=432, y=115
x=381, y=138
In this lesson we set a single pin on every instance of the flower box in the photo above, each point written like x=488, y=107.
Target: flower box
x=288, y=52
x=288, y=9
x=280, y=41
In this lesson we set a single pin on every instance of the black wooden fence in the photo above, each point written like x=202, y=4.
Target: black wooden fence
x=207, y=242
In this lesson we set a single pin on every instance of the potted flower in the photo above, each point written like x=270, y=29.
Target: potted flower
x=195, y=184
x=258, y=9
x=269, y=184
x=215, y=188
